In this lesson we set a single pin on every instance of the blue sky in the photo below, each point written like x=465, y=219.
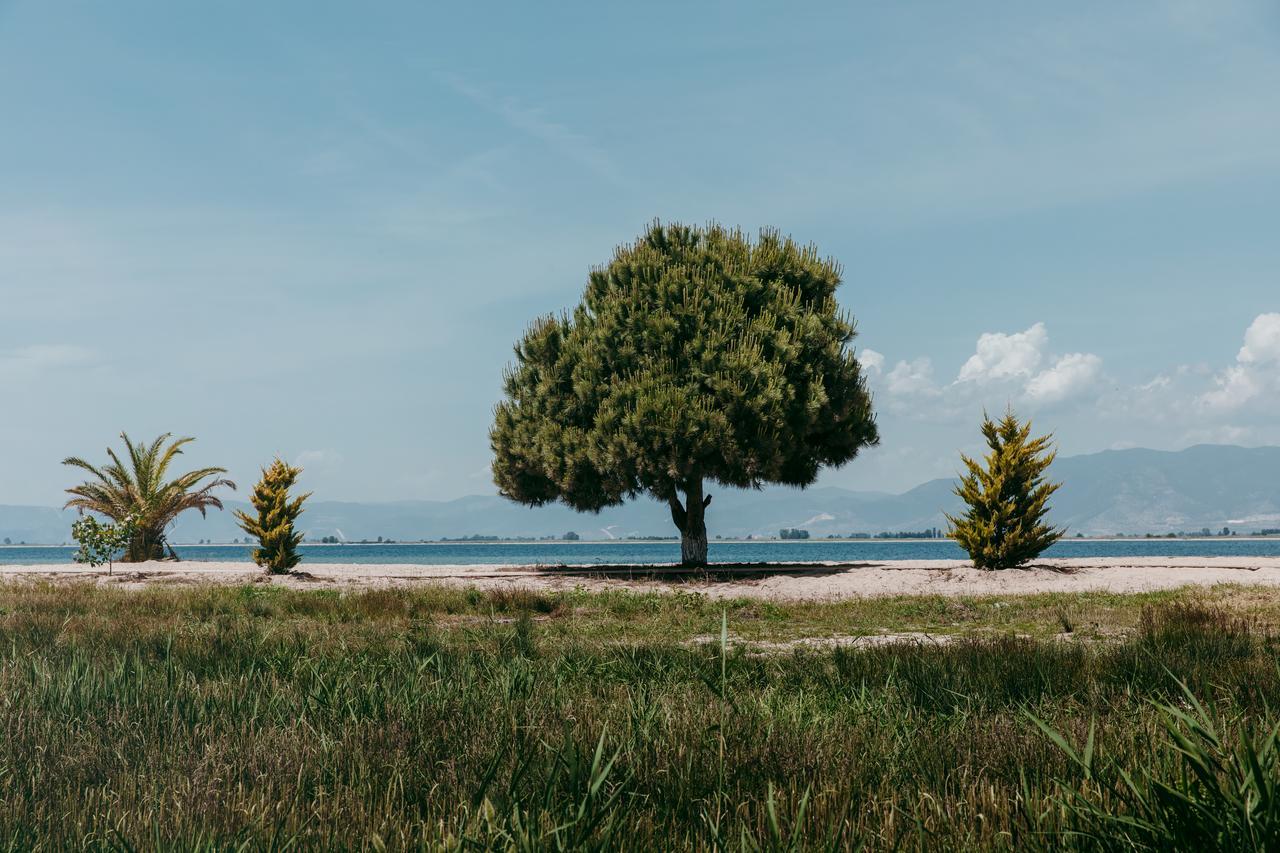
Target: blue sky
x=316, y=229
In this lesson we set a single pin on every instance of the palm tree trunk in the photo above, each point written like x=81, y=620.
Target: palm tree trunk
x=145, y=545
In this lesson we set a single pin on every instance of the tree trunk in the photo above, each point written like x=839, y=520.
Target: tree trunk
x=145, y=545
x=690, y=518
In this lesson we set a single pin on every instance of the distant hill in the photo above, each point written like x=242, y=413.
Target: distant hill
x=1116, y=491
x=1150, y=490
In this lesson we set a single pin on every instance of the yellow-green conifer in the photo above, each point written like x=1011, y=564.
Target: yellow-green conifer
x=277, y=512
x=1008, y=497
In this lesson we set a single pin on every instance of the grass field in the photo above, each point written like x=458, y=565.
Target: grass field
x=264, y=718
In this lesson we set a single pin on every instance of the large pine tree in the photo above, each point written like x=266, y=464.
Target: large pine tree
x=274, y=525
x=1008, y=497
x=696, y=355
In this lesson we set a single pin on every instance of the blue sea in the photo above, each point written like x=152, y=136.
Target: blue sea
x=641, y=553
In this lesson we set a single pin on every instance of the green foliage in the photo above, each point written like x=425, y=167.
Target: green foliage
x=696, y=354
x=1008, y=497
x=578, y=808
x=277, y=512
x=442, y=718
x=102, y=543
x=1207, y=793
x=139, y=490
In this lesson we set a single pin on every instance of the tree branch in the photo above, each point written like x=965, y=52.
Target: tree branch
x=678, y=514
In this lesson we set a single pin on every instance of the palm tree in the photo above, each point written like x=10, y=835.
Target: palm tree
x=140, y=490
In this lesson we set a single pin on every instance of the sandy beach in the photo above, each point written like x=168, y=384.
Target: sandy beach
x=810, y=581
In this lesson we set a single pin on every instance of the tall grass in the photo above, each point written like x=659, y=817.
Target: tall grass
x=432, y=719
x=1204, y=792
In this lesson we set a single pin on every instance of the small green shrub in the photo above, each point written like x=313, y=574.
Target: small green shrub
x=102, y=543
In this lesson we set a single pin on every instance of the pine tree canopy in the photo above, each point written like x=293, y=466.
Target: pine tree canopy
x=696, y=354
x=1007, y=496
x=276, y=513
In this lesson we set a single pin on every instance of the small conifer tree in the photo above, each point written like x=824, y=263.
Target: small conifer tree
x=1008, y=497
x=273, y=528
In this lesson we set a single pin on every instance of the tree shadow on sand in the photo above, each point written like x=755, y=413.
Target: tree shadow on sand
x=715, y=573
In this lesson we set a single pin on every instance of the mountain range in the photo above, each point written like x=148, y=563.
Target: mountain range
x=1115, y=491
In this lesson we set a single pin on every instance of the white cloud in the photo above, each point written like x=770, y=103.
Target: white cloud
x=911, y=377
x=1160, y=383
x=1255, y=370
x=1001, y=356
x=1017, y=357
x=1261, y=341
x=1075, y=396
x=1233, y=403
x=871, y=360
x=1237, y=385
x=1004, y=369
x=1070, y=375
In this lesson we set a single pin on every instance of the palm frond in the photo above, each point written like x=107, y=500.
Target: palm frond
x=138, y=488
x=174, y=449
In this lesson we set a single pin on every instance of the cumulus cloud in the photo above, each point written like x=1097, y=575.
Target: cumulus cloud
x=1071, y=374
x=911, y=377
x=1178, y=404
x=1257, y=367
x=871, y=361
x=1021, y=369
x=1017, y=358
x=1001, y=356
x=1237, y=385
x=1261, y=341
x=1010, y=366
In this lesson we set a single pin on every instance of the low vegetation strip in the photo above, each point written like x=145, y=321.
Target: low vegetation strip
x=265, y=717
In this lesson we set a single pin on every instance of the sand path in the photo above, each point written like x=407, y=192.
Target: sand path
x=808, y=581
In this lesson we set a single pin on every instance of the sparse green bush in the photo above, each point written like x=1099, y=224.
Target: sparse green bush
x=102, y=543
